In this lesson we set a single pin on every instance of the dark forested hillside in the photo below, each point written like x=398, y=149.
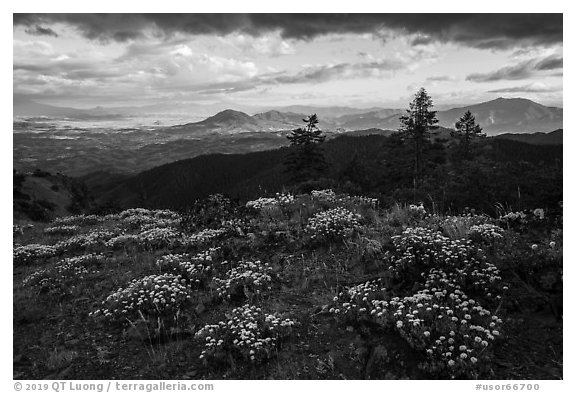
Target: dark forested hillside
x=503, y=172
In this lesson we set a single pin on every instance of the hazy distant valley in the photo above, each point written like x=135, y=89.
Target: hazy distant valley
x=128, y=140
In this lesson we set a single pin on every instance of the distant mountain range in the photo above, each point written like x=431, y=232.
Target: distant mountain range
x=502, y=115
x=25, y=107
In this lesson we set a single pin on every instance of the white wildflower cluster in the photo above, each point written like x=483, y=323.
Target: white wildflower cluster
x=249, y=334
x=486, y=233
x=78, y=220
x=61, y=230
x=196, y=270
x=204, y=236
x=160, y=237
x=155, y=296
x=284, y=199
x=218, y=199
x=359, y=200
x=459, y=226
x=478, y=277
x=249, y=278
x=366, y=300
x=417, y=246
x=139, y=211
x=262, y=203
x=279, y=200
x=148, y=219
x=64, y=273
x=334, y=224
x=432, y=252
x=514, y=217
x=123, y=241
x=538, y=213
x=235, y=225
x=326, y=195
x=30, y=253
x=85, y=241
x=166, y=214
x=452, y=329
x=418, y=210
x=17, y=230
x=154, y=238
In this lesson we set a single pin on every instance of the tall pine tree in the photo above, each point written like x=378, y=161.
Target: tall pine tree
x=416, y=126
x=466, y=131
x=306, y=161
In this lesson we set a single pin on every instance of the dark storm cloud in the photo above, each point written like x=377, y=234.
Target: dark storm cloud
x=39, y=30
x=493, y=31
x=522, y=70
x=550, y=63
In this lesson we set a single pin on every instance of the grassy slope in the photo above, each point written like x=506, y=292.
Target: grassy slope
x=55, y=338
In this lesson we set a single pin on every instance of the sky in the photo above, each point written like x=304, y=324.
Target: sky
x=358, y=60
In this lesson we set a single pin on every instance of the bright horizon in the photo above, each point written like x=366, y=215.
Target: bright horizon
x=275, y=60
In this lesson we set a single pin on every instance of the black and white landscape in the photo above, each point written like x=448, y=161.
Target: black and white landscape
x=288, y=196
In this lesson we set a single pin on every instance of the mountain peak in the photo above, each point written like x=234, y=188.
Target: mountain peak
x=228, y=116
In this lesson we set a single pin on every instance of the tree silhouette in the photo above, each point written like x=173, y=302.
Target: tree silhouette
x=466, y=131
x=306, y=161
x=416, y=125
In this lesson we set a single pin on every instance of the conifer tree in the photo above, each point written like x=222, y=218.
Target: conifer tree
x=306, y=161
x=466, y=131
x=417, y=124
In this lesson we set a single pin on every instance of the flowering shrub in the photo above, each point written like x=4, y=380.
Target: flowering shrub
x=204, y=236
x=418, y=210
x=262, y=203
x=486, y=233
x=148, y=219
x=333, y=224
x=249, y=334
x=514, y=219
x=160, y=223
x=361, y=201
x=78, y=220
x=324, y=195
x=196, y=270
x=248, y=279
x=86, y=241
x=235, y=225
x=417, y=246
x=154, y=238
x=156, y=296
x=160, y=237
x=272, y=208
x=166, y=214
x=17, y=230
x=429, y=254
x=453, y=330
x=61, y=230
x=30, y=253
x=458, y=227
x=123, y=241
x=135, y=212
x=539, y=213
x=138, y=221
x=64, y=273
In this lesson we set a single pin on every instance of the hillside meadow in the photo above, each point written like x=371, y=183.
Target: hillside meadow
x=317, y=285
